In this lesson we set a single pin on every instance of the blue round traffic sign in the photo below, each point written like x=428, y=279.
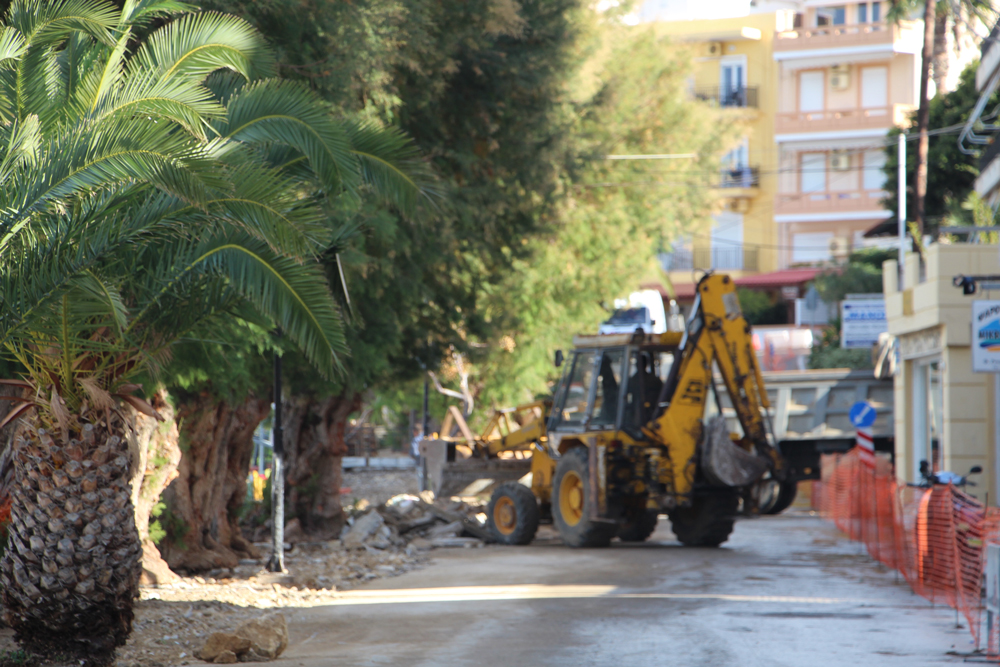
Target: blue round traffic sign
x=862, y=414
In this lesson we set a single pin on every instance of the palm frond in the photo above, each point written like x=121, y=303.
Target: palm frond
x=196, y=45
x=391, y=165
x=288, y=113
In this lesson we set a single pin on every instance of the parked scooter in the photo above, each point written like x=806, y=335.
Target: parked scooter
x=929, y=479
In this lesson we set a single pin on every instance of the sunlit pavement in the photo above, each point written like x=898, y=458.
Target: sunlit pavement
x=785, y=590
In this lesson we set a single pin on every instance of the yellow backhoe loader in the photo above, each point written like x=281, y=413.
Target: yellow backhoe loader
x=625, y=437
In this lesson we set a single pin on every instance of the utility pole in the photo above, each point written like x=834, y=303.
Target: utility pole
x=901, y=206
x=427, y=419
x=277, y=561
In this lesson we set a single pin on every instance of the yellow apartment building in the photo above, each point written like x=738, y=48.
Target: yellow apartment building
x=734, y=68
x=844, y=78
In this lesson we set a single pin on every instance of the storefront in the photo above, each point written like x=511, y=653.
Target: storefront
x=946, y=414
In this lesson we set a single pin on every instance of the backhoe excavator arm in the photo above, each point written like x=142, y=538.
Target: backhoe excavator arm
x=719, y=335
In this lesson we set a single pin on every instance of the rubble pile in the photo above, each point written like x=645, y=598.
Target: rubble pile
x=414, y=524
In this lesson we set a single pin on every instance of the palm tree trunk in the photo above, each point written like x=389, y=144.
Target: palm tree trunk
x=923, y=115
x=314, y=450
x=72, y=563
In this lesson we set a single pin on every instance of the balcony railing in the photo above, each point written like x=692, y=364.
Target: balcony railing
x=842, y=119
x=839, y=36
x=732, y=258
x=850, y=201
x=740, y=177
x=728, y=97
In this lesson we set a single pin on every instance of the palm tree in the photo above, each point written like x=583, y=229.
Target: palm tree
x=154, y=180
x=933, y=11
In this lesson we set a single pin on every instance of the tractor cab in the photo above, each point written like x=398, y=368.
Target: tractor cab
x=612, y=382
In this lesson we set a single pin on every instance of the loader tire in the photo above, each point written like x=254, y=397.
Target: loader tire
x=709, y=520
x=638, y=526
x=570, y=501
x=785, y=497
x=512, y=515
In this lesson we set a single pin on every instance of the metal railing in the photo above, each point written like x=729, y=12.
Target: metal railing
x=733, y=258
x=745, y=96
x=740, y=177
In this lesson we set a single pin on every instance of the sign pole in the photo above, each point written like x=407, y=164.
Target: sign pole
x=901, y=206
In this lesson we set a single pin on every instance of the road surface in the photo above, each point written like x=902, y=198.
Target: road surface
x=784, y=591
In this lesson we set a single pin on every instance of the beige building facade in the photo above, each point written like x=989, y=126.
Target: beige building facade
x=945, y=413
x=845, y=77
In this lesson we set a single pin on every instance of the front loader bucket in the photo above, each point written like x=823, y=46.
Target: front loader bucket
x=448, y=478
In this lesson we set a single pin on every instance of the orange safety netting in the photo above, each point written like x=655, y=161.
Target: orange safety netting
x=934, y=536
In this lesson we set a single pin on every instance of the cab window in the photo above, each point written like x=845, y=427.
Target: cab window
x=604, y=412
x=576, y=389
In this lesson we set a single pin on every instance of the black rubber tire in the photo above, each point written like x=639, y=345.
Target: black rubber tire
x=638, y=526
x=525, y=513
x=786, y=496
x=585, y=532
x=709, y=520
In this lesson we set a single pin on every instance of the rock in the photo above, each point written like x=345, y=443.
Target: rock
x=221, y=642
x=421, y=544
x=459, y=542
x=294, y=532
x=226, y=658
x=364, y=527
x=268, y=636
x=445, y=530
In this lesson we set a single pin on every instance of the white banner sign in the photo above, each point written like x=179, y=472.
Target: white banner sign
x=861, y=321
x=986, y=336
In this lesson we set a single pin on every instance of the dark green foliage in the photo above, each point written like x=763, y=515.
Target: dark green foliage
x=861, y=275
x=950, y=173
x=827, y=353
x=760, y=308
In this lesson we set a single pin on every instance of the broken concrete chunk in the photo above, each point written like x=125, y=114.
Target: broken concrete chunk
x=268, y=636
x=363, y=528
x=453, y=542
x=421, y=544
x=220, y=642
x=452, y=529
x=226, y=658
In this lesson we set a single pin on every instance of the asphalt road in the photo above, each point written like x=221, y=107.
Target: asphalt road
x=786, y=590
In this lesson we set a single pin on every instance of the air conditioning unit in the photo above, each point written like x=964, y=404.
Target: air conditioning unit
x=840, y=77
x=840, y=161
x=840, y=247
x=714, y=49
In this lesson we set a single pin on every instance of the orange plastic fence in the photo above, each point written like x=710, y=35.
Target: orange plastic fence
x=934, y=537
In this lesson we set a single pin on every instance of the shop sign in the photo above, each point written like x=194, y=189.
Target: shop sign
x=861, y=321
x=986, y=336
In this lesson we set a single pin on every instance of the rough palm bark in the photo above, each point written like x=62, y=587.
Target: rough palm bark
x=923, y=117
x=158, y=455
x=217, y=443
x=314, y=448
x=71, y=567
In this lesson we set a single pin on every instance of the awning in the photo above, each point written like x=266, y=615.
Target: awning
x=785, y=278
x=685, y=291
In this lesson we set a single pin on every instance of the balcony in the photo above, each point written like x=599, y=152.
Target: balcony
x=845, y=36
x=989, y=154
x=745, y=97
x=802, y=203
x=990, y=59
x=740, y=177
x=840, y=120
x=732, y=258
